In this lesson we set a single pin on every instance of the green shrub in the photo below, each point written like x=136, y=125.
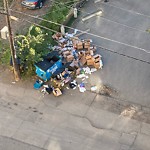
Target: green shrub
x=4, y=53
x=57, y=14
x=5, y=58
x=34, y=45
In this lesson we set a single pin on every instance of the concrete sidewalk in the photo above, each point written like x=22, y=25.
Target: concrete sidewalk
x=70, y=122
x=87, y=121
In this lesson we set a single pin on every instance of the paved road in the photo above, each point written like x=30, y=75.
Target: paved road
x=88, y=121
x=12, y=144
x=29, y=121
x=122, y=28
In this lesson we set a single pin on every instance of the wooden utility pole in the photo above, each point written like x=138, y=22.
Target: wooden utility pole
x=13, y=53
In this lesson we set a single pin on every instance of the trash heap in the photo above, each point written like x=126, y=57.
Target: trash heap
x=78, y=55
x=79, y=52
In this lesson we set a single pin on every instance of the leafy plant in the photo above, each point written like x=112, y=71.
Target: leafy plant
x=56, y=14
x=4, y=53
x=5, y=57
x=32, y=47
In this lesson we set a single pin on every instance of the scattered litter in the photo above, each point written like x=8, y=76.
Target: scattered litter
x=71, y=58
x=93, y=70
x=47, y=89
x=83, y=79
x=82, y=88
x=87, y=70
x=93, y=88
x=57, y=92
x=101, y=64
x=130, y=111
x=73, y=84
x=81, y=76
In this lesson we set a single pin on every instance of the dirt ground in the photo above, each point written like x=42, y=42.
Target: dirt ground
x=21, y=25
x=7, y=77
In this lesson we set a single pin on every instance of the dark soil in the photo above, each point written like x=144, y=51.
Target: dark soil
x=22, y=25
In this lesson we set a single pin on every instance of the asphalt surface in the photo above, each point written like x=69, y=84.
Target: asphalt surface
x=122, y=28
x=10, y=143
x=30, y=121
x=87, y=121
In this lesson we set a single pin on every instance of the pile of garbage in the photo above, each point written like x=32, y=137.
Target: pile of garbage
x=79, y=52
x=79, y=60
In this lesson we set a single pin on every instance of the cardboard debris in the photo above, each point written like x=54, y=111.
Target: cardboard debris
x=91, y=52
x=83, y=60
x=78, y=71
x=87, y=52
x=80, y=54
x=69, y=58
x=57, y=36
x=86, y=44
x=88, y=57
x=79, y=45
x=66, y=53
x=97, y=64
x=57, y=92
x=90, y=62
x=97, y=57
x=74, y=64
x=93, y=48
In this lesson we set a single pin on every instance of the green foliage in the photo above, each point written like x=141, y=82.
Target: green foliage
x=1, y=45
x=5, y=58
x=56, y=14
x=4, y=53
x=32, y=47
